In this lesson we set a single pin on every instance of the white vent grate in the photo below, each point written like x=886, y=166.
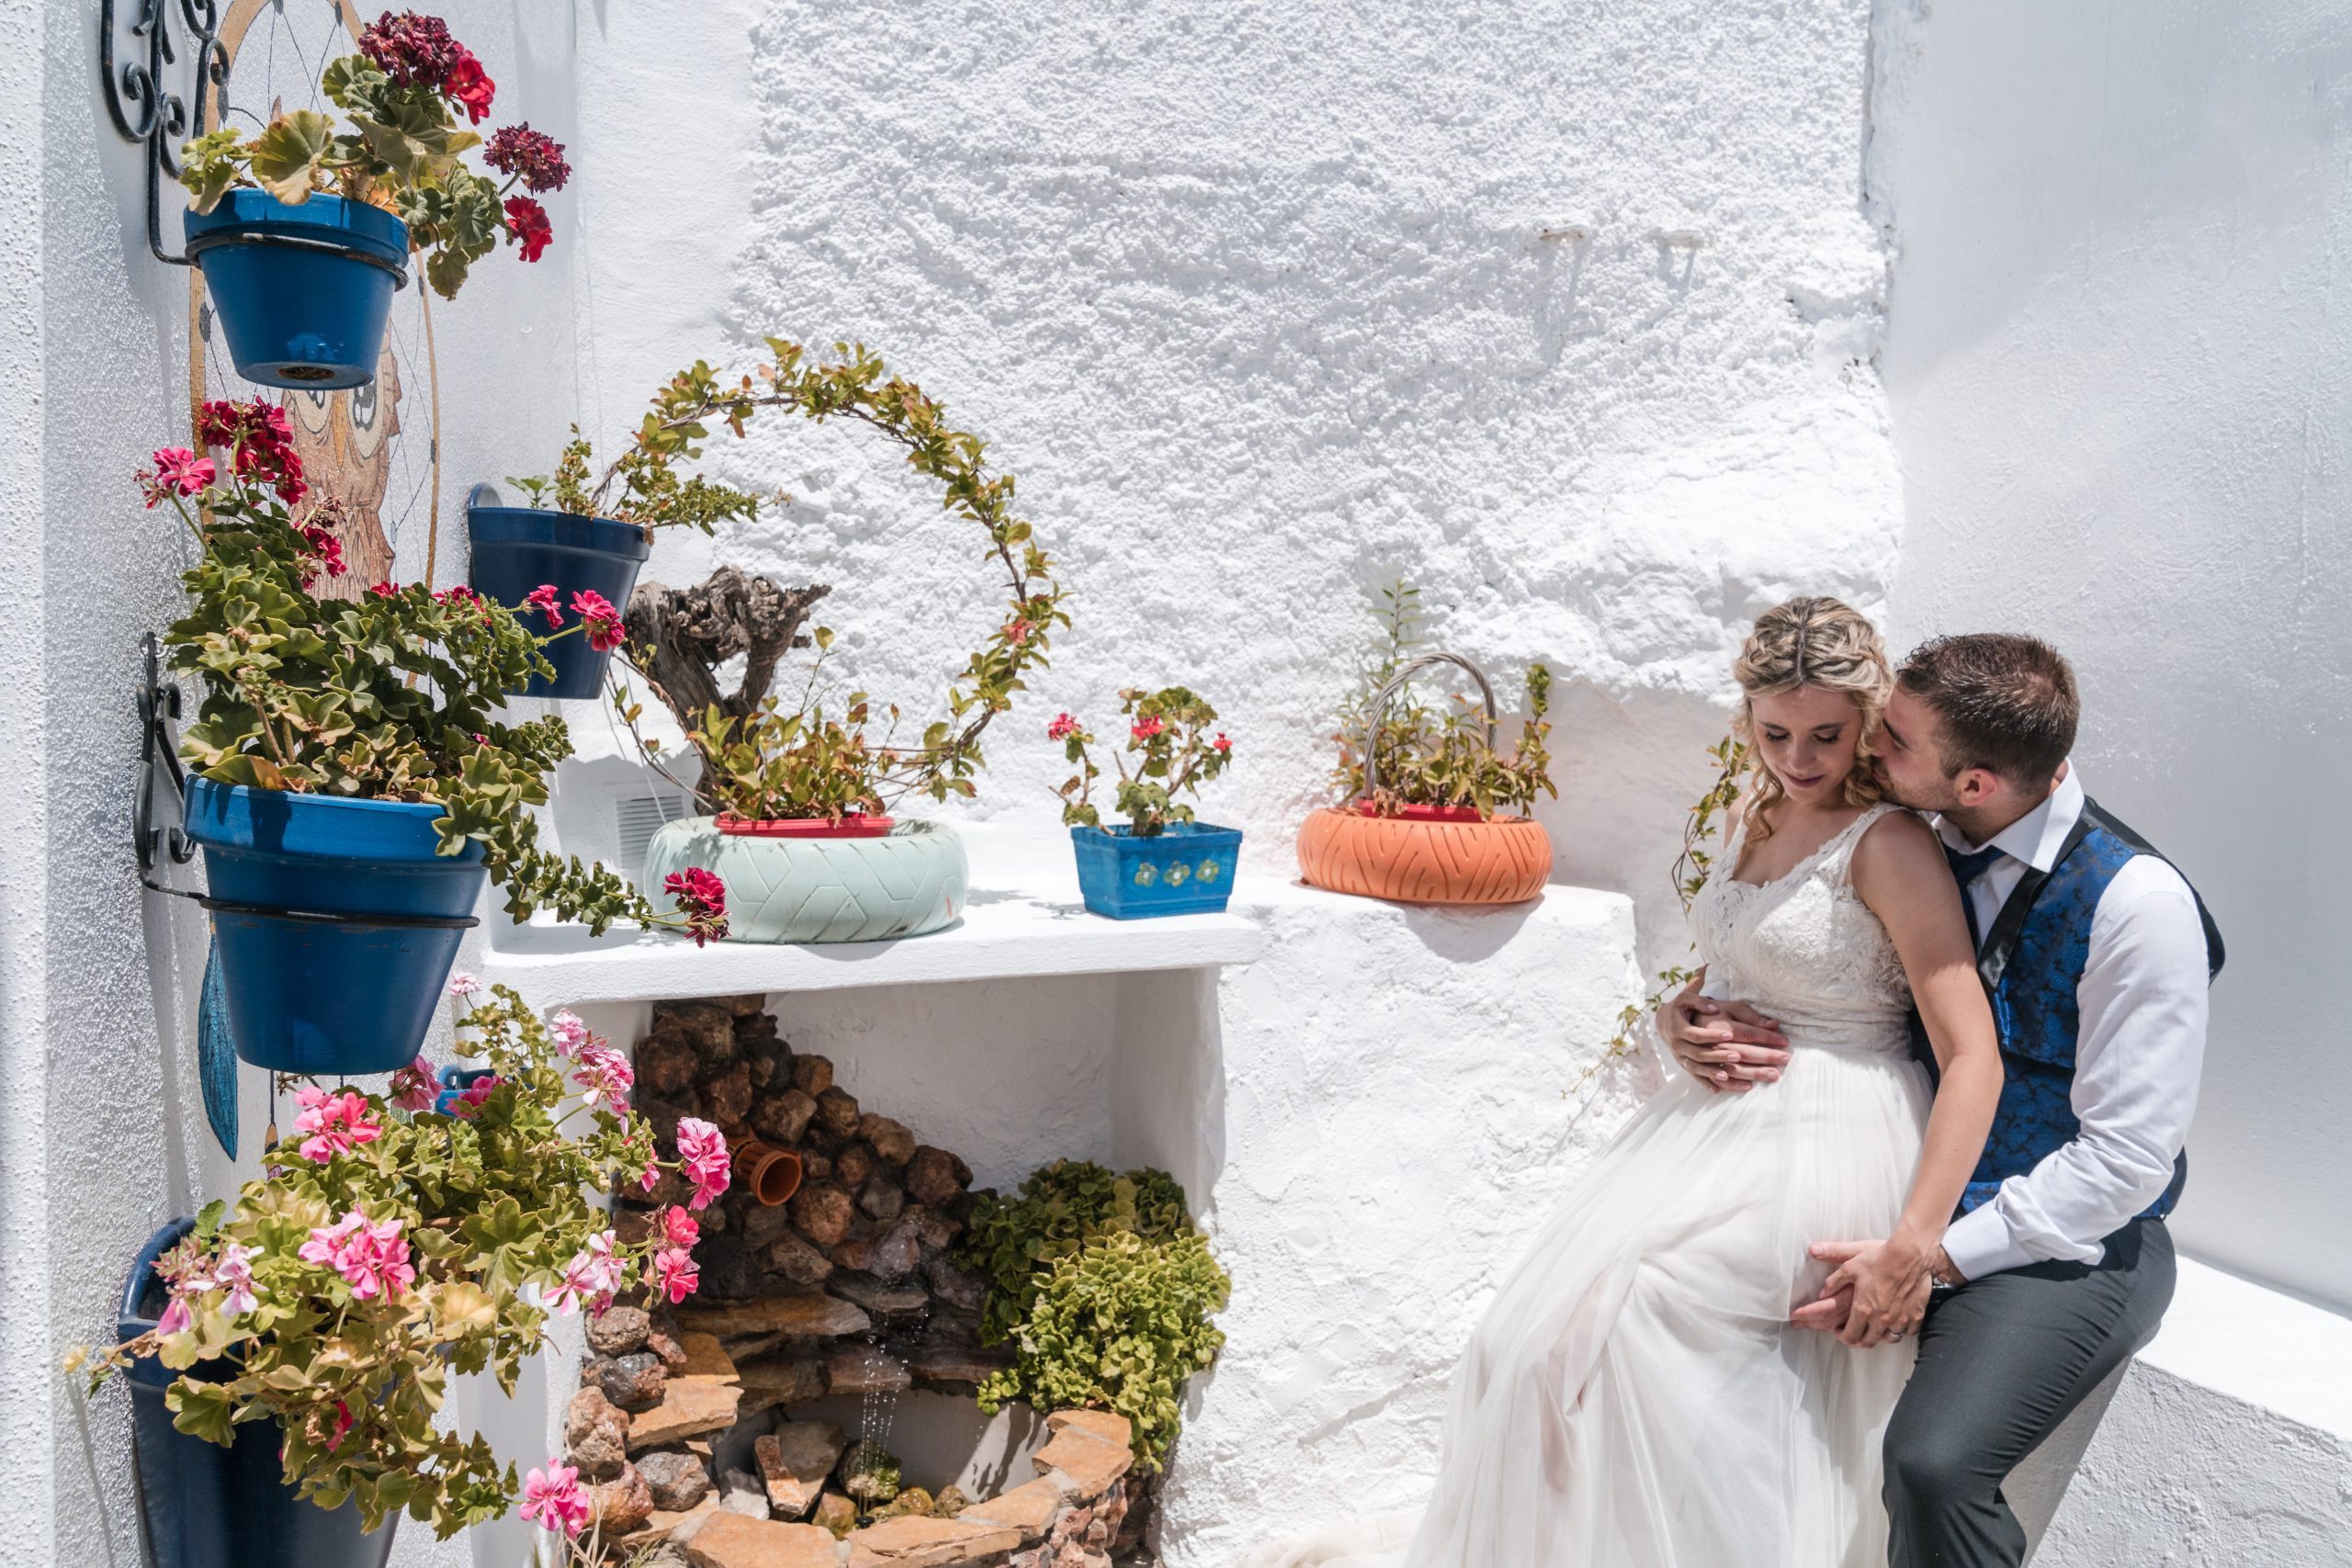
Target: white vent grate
x=636, y=819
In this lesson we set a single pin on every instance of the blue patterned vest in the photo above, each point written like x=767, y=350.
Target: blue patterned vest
x=2031, y=963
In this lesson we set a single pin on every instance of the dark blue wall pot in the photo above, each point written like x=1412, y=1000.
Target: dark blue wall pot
x=1186, y=870
x=207, y=1506
x=517, y=548
x=302, y=292
x=309, y=992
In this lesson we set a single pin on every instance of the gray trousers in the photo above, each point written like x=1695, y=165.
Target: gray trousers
x=2002, y=1360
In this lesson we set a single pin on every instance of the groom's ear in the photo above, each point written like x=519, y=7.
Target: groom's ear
x=1977, y=788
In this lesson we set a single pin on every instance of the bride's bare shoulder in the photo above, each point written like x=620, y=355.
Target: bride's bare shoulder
x=1899, y=844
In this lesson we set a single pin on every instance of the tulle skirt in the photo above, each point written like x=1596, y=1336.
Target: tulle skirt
x=1635, y=1396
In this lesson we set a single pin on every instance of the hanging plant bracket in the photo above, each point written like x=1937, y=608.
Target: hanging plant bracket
x=143, y=95
x=159, y=843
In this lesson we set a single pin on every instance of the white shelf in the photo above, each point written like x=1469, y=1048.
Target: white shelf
x=1024, y=918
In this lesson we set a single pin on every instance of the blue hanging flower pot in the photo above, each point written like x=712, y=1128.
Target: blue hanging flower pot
x=302, y=293
x=336, y=924
x=1184, y=869
x=518, y=548
x=209, y=1506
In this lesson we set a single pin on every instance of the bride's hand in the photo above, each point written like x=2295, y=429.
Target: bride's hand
x=1888, y=1282
x=1728, y=1046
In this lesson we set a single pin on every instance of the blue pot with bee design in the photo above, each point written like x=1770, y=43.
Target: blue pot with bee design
x=1186, y=868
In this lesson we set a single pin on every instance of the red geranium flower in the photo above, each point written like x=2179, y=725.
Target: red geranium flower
x=702, y=898
x=527, y=222
x=470, y=87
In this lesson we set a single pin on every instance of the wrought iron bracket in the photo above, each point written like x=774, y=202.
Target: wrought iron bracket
x=159, y=843
x=144, y=88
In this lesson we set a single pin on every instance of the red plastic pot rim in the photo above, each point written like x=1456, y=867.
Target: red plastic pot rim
x=1430, y=813
x=854, y=826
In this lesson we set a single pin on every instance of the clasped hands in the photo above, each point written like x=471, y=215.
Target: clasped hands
x=1877, y=1291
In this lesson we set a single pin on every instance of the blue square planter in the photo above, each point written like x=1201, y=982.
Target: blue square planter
x=1186, y=870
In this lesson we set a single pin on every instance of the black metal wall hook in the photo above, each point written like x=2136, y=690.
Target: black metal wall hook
x=158, y=843
x=164, y=95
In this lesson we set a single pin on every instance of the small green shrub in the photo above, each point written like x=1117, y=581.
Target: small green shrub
x=1106, y=1289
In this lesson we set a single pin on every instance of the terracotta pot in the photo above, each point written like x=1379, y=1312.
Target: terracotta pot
x=1418, y=860
x=768, y=1173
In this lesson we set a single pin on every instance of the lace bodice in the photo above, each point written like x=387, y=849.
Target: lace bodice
x=1805, y=949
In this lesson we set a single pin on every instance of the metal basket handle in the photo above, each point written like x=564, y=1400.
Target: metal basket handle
x=1388, y=694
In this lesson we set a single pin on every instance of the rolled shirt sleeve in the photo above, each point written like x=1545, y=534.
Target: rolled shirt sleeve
x=2139, y=1051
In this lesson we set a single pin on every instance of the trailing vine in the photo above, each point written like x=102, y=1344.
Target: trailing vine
x=644, y=486
x=1689, y=875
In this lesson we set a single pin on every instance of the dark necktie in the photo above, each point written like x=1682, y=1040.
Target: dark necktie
x=1966, y=869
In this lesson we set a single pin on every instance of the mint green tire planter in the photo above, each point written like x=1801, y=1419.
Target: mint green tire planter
x=905, y=882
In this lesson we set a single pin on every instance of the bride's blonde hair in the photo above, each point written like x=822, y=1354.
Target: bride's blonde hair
x=1811, y=642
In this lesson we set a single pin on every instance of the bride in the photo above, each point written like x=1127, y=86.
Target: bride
x=1636, y=1396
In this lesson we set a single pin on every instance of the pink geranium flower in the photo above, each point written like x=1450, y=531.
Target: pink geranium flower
x=469, y=1099
x=233, y=1274
x=462, y=983
x=1144, y=729
x=337, y=1124
x=604, y=629
x=542, y=599
x=413, y=1087
x=1062, y=728
x=592, y=1278
x=182, y=472
x=555, y=1498
x=702, y=1148
x=678, y=1227
x=606, y=1074
x=702, y=898
x=572, y=1035
x=372, y=1255
x=675, y=1274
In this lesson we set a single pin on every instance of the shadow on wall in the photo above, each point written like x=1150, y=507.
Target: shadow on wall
x=1628, y=771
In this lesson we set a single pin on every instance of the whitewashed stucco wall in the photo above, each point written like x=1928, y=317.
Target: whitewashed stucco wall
x=2120, y=369
x=1251, y=299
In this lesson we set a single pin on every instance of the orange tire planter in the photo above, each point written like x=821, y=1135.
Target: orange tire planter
x=1421, y=861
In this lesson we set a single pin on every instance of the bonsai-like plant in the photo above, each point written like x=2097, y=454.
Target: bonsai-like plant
x=396, y=695
x=391, y=1244
x=1171, y=734
x=1105, y=1288
x=756, y=753
x=1427, y=755
x=399, y=150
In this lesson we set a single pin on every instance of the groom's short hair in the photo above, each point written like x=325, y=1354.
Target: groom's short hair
x=2002, y=702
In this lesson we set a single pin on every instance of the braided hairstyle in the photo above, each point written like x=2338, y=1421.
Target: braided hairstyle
x=1811, y=641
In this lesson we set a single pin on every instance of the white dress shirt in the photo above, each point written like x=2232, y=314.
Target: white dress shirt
x=2138, y=1052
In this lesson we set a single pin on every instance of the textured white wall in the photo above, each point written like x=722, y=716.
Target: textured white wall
x=2117, y=357
x=1251, y=299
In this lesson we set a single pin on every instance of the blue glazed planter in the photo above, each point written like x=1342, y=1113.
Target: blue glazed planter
x=302, y=292
x=1186, y=870
x=330, y=997
x=208, y=1506
x=517, y=548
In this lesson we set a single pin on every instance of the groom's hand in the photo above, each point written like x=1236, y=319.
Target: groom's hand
x=1882, y=1285
x=1728, y=1046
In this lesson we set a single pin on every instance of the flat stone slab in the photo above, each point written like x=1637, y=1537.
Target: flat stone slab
x=861, y=1369
x=1102, y=1424
x=738, y=1541
x=794, y=1461
x=1028, y=1508
x=665, y=1524
x=795, y=1317
x=914, y=1541
x=705, y=1358
x=689, y=1407
x=1093, y=1465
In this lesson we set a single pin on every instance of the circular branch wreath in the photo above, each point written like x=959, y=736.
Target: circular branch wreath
x=760, y=620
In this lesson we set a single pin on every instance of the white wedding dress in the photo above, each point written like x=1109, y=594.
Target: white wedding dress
x=1635, y=1396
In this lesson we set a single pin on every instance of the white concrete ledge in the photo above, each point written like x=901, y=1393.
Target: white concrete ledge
x=1024, y=918
x=2227, y=1440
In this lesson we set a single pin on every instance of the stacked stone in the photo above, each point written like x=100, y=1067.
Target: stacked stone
x=849, y=1288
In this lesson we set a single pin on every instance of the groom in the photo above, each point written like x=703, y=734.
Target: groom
x=2098, y=956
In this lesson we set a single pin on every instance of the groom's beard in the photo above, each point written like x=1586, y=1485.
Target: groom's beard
x=1938, y=800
